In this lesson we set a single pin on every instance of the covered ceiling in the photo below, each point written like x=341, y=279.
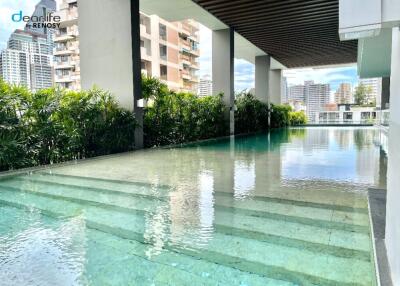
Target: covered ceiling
x=297, y=33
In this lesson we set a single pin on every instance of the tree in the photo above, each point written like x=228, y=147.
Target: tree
x=362, y=94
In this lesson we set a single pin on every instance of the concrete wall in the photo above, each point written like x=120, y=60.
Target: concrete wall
x=262, y=68
x=393, y=178
x=105, y=47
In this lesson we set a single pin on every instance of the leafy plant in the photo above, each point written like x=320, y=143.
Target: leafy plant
x=297, y=118
x=251, y=115
x=174, y=118
x=280, y=115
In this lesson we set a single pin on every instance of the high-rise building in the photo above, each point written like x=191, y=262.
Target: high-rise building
x=317, y=96
x=205, y=86
x=27, y=60
x=344, y=93
x=296, y=93
x=169, y=50
x=42, y=9
x=66, y=50
x=375, y=85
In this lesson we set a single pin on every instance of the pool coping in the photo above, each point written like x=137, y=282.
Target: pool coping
x=377, y=213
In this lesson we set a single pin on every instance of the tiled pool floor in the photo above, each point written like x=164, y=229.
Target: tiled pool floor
x=260, y=210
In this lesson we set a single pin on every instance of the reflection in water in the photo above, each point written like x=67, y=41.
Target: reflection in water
x=204, y=198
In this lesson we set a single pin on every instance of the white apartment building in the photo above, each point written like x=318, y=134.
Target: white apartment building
x=317, y=96
x=66, y=47
x=376, y=88
x=27, y=60
x=205, y=86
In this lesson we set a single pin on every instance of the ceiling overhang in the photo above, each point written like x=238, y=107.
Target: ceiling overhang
x=297, y=33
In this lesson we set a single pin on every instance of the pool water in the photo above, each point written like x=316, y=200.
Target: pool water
x=285, y=208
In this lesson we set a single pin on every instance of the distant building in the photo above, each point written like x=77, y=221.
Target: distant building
x=344, y=93
x=296, y=93
x=375, y=85
x=42, y=9
x=27, y=60
x=311, y=95
x=347, y=114
x=317, y=96
x=205, y=86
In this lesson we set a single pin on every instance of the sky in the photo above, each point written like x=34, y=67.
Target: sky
x=244, y=71
x=7, y=8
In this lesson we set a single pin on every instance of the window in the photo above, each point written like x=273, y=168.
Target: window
x=163, y=32
x=163, y=52
x=163, y=72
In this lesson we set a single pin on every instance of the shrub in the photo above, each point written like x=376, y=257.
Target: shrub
x=251, y=115
x=174, y=118
x=280, y=115
x=297, y=118
x=54, y=125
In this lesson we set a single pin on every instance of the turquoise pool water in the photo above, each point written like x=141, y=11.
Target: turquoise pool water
x=286, y=208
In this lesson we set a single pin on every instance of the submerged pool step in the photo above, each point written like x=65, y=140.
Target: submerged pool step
x=314, y=239
x=110, y=259
x=274, y=209
x=278, y=262
x=119, y=184
x=310, y=230
x=312, y=234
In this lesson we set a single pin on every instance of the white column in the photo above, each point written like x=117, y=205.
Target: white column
x=393, y=178
x=275, y=86
x=268, y=82
x=262, y=68
x=105, y=47
x=223, y=70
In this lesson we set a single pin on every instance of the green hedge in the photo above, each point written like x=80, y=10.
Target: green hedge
x=54, y=125
x=173, y=118
x=251, y=115
x=283, y=116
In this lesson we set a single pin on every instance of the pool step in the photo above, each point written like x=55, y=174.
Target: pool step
x=278, y=228
x=110, y=258
x=278, y=262
x=119, y=184
x=305, y=214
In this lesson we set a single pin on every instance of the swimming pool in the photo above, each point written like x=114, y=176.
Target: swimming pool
x=285, y=208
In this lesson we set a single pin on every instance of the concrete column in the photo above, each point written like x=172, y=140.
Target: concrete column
x=223, y=71
x=392, y=237
x=106, y=57
x=137, y=71
x=268, y=82
x=275, y=86
x=262, y=68
x=385, y=95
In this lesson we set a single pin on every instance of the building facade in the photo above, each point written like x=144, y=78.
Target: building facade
x=205, y=86
x=317, y=96
x=344, y=93
x=169, y=50
x=66, y=47
x=375, y=85
x=27, y=60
